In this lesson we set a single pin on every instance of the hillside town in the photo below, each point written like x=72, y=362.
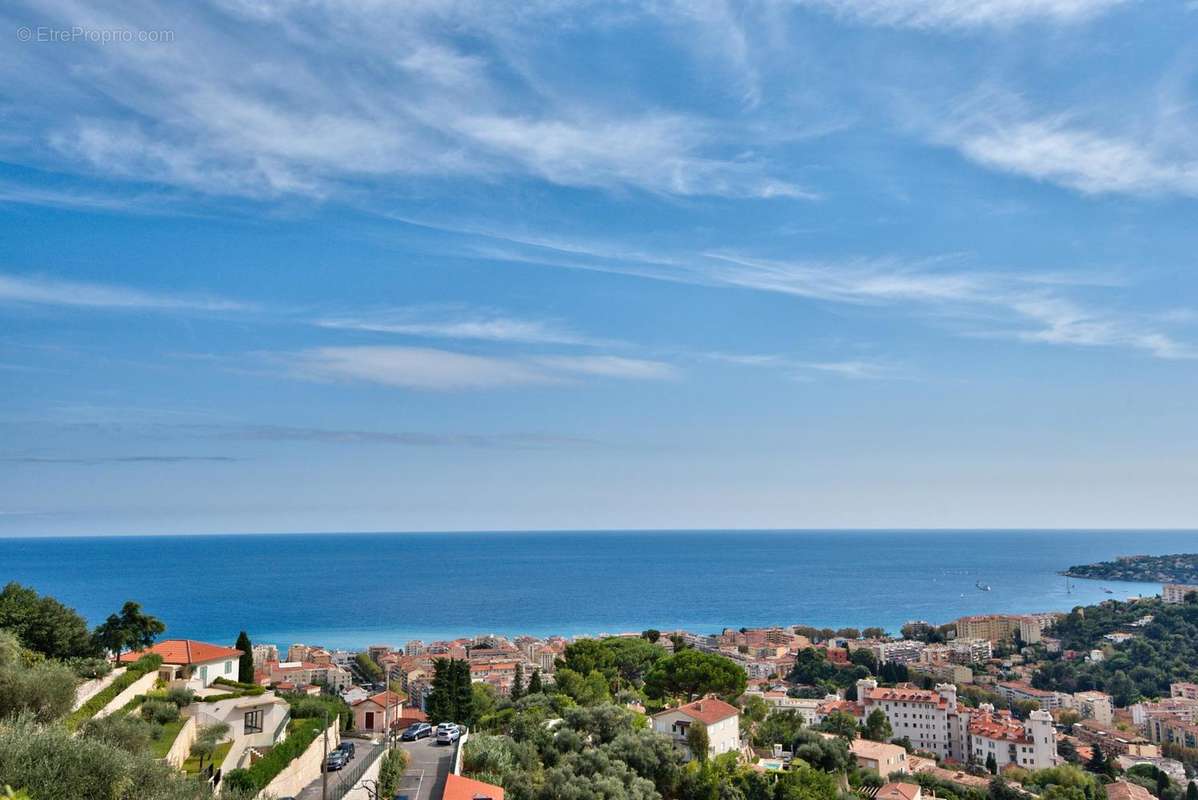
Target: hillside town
x=1100, y=699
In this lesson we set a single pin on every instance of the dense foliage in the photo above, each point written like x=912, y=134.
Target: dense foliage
x=451, y=698
x=300, y=734
x=691, y=674
x=132, y=673
x=42, y=624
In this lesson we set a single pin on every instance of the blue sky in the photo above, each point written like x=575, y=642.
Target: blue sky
x=455, y=265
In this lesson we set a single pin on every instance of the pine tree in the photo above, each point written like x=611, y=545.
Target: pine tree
x=1097, y=763
x=245, y=665
x=535, y=687
x=518, y=683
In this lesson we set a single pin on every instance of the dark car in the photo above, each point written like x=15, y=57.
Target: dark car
x=348, y=749
x=336, y=760
x=417, y=730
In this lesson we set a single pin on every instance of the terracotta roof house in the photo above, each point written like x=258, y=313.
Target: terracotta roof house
x=459, y=788
x=1122, y=790
x=376, y=711
x=881, y=757
x=721, y=720
x=899, y=791
x=198, y=664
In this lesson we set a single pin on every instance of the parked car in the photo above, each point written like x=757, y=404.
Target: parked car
x=417, y=730
x=348, y=749
x=448, y=735
x=336, y=760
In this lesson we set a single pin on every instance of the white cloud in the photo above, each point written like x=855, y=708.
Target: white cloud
x=30, y=290
x=964, y=13
x=1054, y=151
x=456, y=323
x=853, y=369
x=444, y=370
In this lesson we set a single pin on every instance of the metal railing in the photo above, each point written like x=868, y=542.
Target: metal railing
x=349, y=777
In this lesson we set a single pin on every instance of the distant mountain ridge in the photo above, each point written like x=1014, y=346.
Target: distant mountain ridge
x=1176, y=568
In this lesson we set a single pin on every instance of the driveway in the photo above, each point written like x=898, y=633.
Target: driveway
x=428, y=764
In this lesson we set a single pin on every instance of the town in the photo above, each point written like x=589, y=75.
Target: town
x=1097, y=701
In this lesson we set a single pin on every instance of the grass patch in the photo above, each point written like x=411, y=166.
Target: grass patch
x=192, y=765
x=167, y=736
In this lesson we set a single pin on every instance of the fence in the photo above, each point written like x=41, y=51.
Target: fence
x=348, y=778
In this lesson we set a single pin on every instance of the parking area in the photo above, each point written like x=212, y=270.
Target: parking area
x=428, y=764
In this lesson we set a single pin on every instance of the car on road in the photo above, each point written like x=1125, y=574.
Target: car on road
x=417, y=730
x=336, y=760
x=348, y=749
x=448, y=734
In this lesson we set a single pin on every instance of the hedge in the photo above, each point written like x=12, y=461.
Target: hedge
x=301, y=733
x=143, y=665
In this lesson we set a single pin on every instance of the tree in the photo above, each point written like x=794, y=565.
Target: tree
x=586, y=690
x=991, y=764
x=206, y=741
x=451, y=698
x=518, y=682
x=877, y=726
x=534, y=683
x=131, y=629
x=42, y=624
x=754, y=710
x=245, y=665
x=692, y=673
x=652, y=635
x=840, y=723
x=781, y=727
x=43, y=689
x=391, y=772
x=873, y=633
x=697, y=741
x=1098, y=762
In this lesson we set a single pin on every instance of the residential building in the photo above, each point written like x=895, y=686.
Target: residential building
x=721, y=720
x=1171, y=767
x=1122, y=790
x=968, y=651
x=993, y=627
x=1175, y=593
x=900, y=791
x=194, y=665
x=1187, y=690
x=376, y=712
x=1097, y=706
x=930, y=719
x=901, y=651
x=265, y=652
x=1019, y=691
x=459, y=788
x=884, y=759
x=1031, y=744
x=1112, y=741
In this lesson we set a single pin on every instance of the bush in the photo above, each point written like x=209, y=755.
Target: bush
x=305, y=706
x=136, y=670
x=89, y=668
x=161, y=711
x=301, y=734
x=180, y=696
x=46, y=690
x=129, y=733
x=391, y=772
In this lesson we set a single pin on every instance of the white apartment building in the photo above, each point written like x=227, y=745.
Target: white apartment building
x=1175, y=593
x=903, y=651
x=1031, y=744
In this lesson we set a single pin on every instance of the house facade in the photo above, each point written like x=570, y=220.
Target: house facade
x=375, y=713
x=194, y=665
x=721, y=720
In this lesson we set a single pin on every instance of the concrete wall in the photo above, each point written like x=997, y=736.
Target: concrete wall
x=303, y=770
x=140, y=686
x=181, y=749
x=89, y=689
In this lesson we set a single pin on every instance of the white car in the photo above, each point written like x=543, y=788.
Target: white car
x=448, y=733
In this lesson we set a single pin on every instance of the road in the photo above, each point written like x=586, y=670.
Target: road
x=364, y=748
x=428, y=764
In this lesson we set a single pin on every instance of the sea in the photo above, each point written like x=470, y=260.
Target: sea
x=351, y=590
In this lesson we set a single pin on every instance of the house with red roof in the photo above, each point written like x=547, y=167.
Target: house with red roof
x=378, y=711
x=197, y=664
x=459, y=788
x=721, y=720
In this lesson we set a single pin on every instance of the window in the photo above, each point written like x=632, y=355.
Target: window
x=228, y=667
x=253, y=721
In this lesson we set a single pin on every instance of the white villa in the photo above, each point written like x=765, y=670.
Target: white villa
x=721, y=719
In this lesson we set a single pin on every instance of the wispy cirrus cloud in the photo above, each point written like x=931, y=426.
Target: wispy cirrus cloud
x=964, y=13
x=853, y=369
x=89, y=461
x=457, y=322
x=44, y=291
x=444, y=370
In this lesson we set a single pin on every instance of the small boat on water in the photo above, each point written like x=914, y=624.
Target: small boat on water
x=982, y=587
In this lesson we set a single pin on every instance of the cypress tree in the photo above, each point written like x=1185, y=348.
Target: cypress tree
x=518, y=683
x=535, y=687
x=245, y=664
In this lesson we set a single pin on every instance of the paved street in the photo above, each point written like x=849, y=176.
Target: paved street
x=365, y=749
x=428, y=764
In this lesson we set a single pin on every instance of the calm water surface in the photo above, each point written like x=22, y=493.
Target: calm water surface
x=347, y=590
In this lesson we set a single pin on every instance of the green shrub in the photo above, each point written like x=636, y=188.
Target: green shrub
x=46, y=690
x=181, y=697
x=129, y=733
x=89, y=668
x=301, y=734
x=160, y=711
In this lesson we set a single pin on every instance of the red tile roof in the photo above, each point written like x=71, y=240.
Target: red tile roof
x=1122, y=790
x=389, y=698
x=905, y=695
x=998, y=726
x=709, y=710
x=183, y=652
x=898, y=791
x=459, y=788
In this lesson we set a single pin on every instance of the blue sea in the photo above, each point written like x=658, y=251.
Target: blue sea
x=352, y=590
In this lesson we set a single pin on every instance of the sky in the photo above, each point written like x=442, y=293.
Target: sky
x=559, y=264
